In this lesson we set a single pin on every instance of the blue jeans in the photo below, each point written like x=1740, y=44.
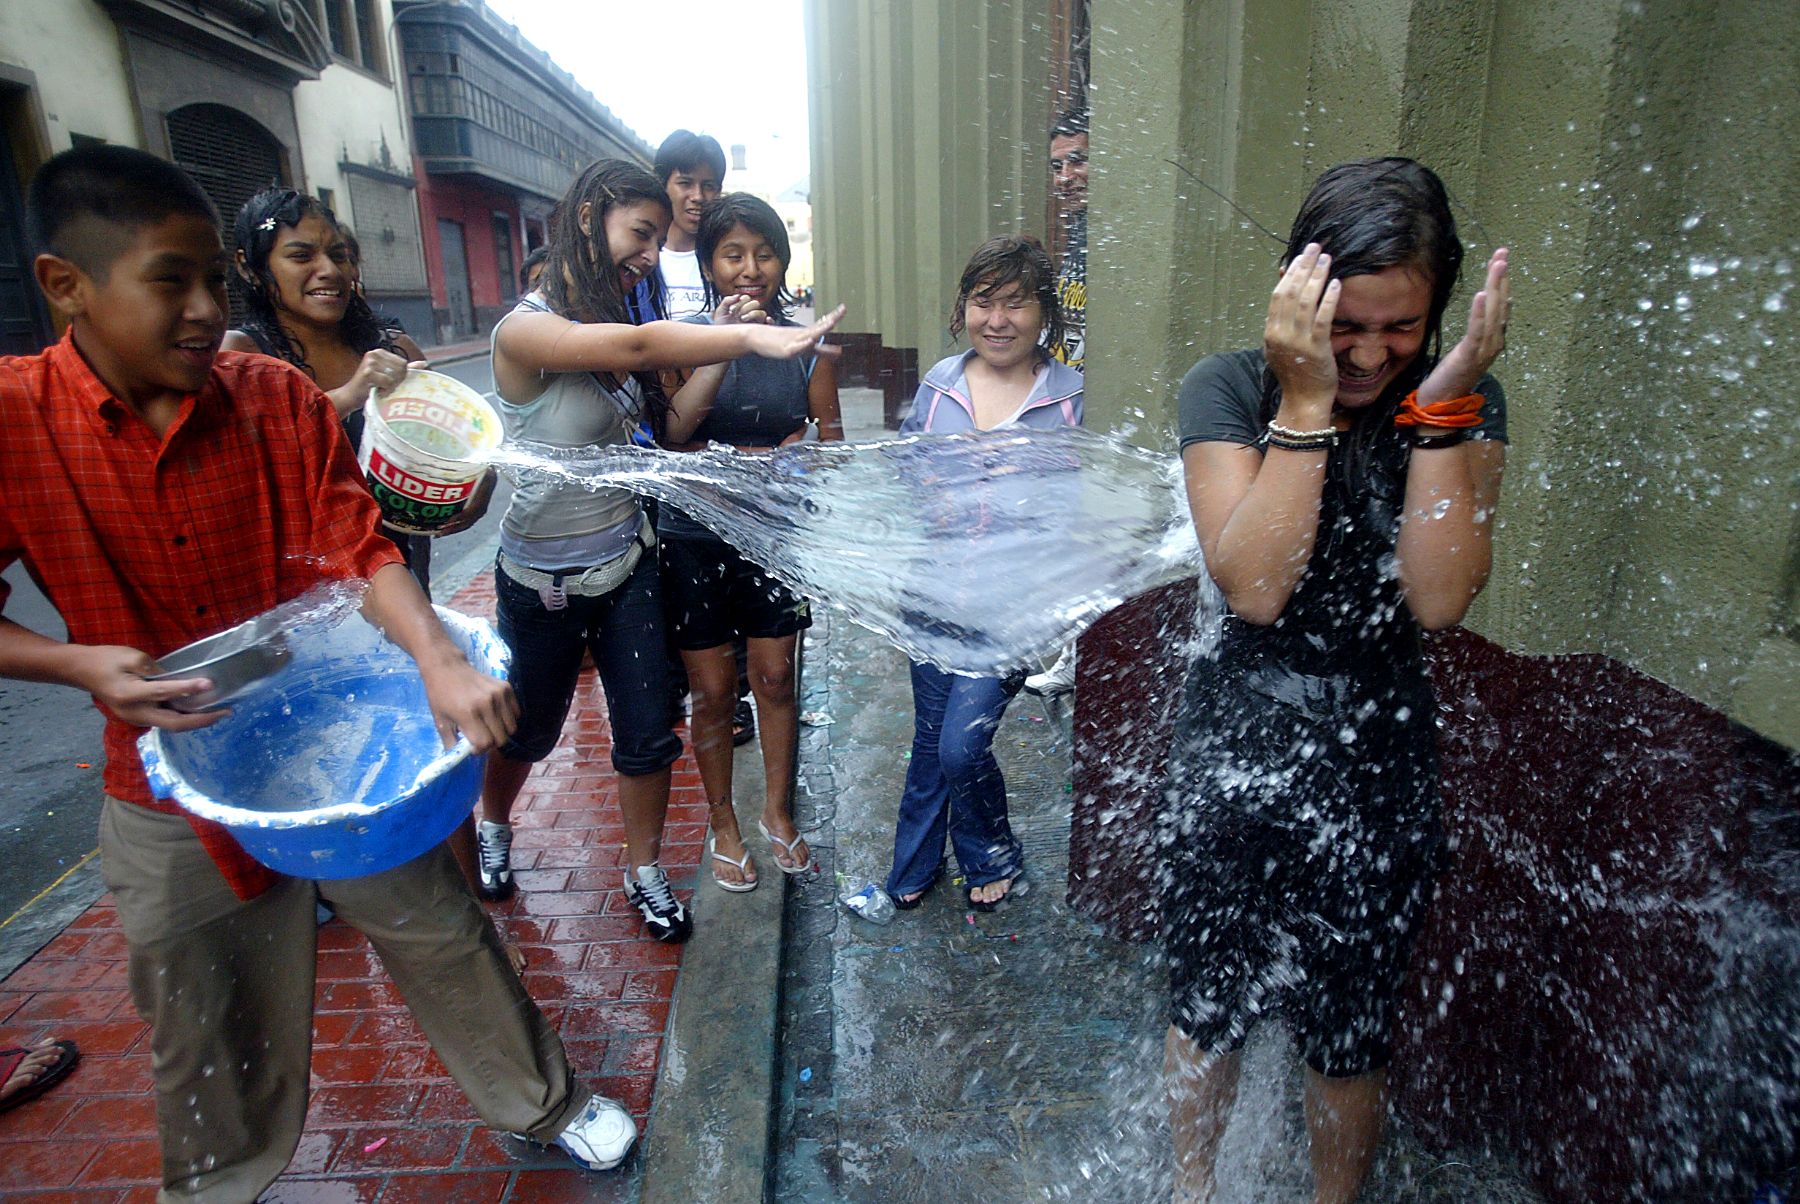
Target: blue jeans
x=954, y=784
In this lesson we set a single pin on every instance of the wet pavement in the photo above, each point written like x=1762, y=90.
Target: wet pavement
x=386, y=1122
x=1005, y=1057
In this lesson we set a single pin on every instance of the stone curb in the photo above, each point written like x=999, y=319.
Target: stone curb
x=715, y=1091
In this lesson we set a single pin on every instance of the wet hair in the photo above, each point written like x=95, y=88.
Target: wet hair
x=1002, y=262
x=1370, y=215
x=685, y=150
x=1374, y=214
x=119, y=185
x=720, y=217
x=257, y=229
x=1072, y=124
x=538, y=257
x=580, y=281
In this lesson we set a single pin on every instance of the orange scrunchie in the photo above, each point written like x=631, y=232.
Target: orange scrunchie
x=1452, y=412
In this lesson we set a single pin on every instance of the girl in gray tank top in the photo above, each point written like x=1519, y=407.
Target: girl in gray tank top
x=572, y=367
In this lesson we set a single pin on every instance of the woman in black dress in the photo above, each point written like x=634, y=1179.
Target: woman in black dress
x=1343, y=481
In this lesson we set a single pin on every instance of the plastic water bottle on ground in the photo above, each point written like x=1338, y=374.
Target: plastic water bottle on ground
x=871, y=903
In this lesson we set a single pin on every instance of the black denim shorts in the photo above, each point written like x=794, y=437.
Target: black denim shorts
x=712, y=596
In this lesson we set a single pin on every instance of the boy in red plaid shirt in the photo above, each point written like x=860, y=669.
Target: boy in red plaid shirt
x=160, y=491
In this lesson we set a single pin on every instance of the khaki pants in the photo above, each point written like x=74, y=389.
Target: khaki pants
x=227, y=988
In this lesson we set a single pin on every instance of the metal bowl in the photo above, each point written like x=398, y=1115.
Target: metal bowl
x=235, y=660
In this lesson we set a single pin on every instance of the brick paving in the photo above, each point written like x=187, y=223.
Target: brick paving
x=386, y=1123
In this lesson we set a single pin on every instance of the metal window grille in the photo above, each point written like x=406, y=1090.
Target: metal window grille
x=231, y=157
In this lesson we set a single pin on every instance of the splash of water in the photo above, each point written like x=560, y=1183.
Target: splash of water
x=320, y=608
x=980, y=552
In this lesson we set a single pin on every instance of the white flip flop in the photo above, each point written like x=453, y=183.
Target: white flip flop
x=787, y=846
x=743, y=864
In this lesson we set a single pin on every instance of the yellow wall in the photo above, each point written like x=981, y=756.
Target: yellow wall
x=74, y=50
x=348, y=115
x=930, y=133
x=1639, y=159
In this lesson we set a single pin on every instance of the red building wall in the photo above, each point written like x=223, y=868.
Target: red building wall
x=473, y=204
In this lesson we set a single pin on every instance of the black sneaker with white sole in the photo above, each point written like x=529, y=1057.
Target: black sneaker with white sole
x=493, y=844
x=647, y=889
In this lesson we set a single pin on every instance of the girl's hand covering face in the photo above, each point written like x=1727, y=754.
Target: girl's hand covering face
x=1297, y=335
x=1468, y=361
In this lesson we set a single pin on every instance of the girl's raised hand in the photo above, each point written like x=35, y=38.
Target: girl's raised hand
x=1297, y=336
x=786, y=342
x=738, y=308
x=1457, y=373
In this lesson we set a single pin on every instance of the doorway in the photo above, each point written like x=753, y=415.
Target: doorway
x=456, y=277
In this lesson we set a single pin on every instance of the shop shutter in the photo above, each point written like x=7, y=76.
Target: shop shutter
x=232, y=157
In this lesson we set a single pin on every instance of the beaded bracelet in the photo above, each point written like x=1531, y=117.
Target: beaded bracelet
x=1329, y=434
x=1314, y=444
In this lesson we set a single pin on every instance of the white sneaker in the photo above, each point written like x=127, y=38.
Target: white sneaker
x=647, y=889
x=1058, y=678
x=493, y=846
x=600, y=1136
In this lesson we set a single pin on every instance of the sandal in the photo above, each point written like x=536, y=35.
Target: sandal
x=1018, y=887
x=743, y=864
x=905, y=904
x=787, y=846
x=11, y=1059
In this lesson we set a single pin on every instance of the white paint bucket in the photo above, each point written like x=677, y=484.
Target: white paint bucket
x=426, y=443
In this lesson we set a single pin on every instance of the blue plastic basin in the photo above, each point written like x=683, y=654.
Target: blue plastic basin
x=332, y=768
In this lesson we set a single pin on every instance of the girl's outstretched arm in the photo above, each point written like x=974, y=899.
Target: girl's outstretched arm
x=543, y=342
x=1257, y=513
x=693, y=401
x=1446, y=547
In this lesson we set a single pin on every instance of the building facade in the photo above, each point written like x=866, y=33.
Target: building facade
x=930, y=133
x=499, y=131
x=243, y=94
x=437, y=134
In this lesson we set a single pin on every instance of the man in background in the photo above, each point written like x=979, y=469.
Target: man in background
x=692, y=169
x=1068, y=177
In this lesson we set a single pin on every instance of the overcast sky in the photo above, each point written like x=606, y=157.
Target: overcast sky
x=734, y=70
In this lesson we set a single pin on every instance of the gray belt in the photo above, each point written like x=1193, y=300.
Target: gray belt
x=554, y=588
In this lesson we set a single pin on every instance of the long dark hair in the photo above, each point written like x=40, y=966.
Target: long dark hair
x=1370, y=215
x=757, y=216
x=1002, y=261
x=257, y=228
x=580, y=280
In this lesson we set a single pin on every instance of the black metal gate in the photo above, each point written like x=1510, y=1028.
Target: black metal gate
x=231, y=157
x=24, y=327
